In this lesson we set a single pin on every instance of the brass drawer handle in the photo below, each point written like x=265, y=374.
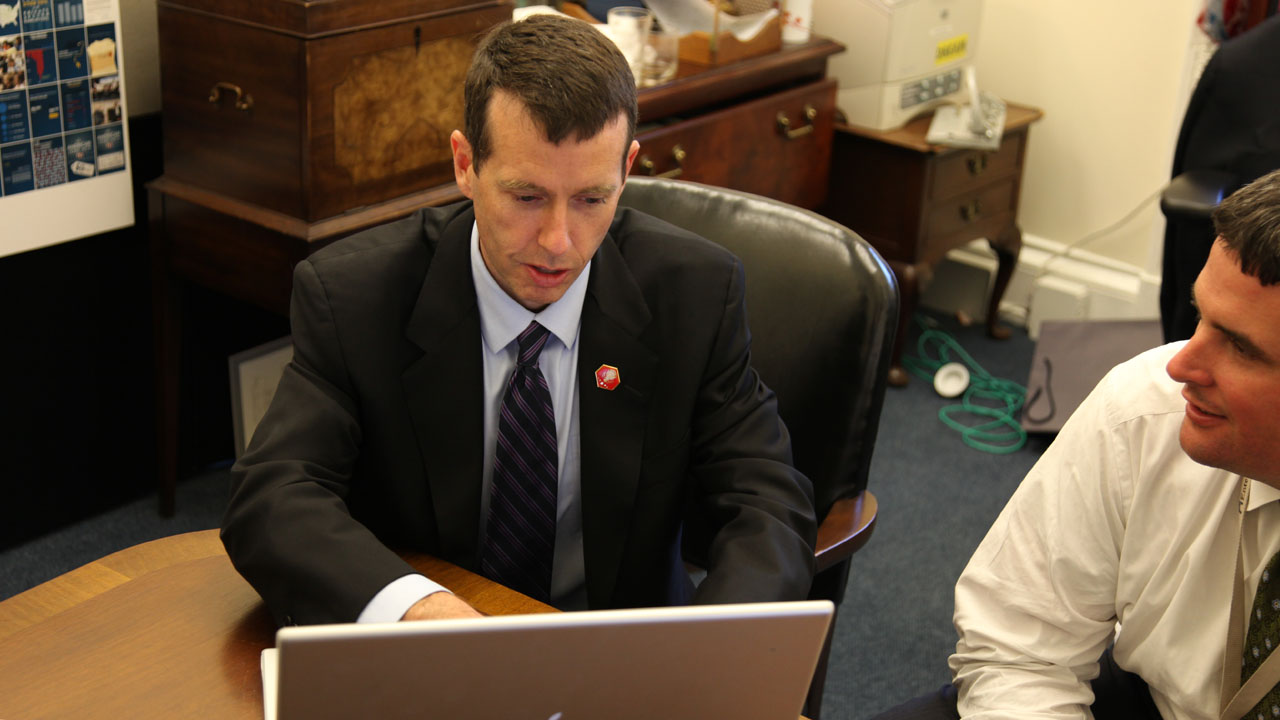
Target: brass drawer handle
x=243, y=100
x=784, y=123
x=677, y=153
x=971, y=210
x=977, y=164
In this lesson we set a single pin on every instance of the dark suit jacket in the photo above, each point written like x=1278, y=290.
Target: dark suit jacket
x=374, y=437
x=1231, y=125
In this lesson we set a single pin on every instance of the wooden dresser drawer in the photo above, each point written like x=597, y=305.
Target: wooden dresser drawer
x=778, y=146
x=965, y=213
x=313, y=125
x=962, y=171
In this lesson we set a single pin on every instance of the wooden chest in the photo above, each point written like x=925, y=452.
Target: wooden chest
x=311, y=108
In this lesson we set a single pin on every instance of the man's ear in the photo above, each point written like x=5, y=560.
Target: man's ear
x=631, y=158
x=463, y=162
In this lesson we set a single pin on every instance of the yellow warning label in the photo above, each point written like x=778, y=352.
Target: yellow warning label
x=952, y=49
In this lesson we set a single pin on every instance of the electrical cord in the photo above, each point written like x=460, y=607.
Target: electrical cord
x=936, y=348
x=984, y=386
x=1045, y=391
x=1080, y=243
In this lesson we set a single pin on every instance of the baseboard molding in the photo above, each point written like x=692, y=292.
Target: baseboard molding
x=1050, y=282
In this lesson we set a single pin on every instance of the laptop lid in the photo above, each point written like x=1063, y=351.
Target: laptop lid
x=748, y=662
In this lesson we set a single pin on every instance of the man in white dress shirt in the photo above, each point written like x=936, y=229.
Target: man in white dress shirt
x=1104, y=588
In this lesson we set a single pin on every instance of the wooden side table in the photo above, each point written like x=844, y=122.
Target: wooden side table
x=914, y=201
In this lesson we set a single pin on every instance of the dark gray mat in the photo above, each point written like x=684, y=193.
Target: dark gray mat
x=1071, y=357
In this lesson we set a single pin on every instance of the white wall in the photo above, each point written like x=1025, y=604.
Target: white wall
x=1113, y=80
x=1110, y=77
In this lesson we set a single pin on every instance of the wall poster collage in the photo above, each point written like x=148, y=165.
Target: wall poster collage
x=63, y=138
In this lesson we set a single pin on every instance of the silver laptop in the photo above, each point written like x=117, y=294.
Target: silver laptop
x=708, y=662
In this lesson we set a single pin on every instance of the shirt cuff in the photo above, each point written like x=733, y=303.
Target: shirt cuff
x=394, y=600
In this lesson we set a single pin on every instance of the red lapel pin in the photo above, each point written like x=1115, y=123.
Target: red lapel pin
x=607, y=377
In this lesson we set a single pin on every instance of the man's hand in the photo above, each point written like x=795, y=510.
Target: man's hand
x=440, y=605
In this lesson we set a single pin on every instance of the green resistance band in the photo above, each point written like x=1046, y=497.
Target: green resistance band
x=987, y=396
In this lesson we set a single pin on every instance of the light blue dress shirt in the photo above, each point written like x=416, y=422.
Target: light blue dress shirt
x=501, y=320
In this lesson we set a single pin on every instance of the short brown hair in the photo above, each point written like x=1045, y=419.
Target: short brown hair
x=1248, y=222
x=572, y=79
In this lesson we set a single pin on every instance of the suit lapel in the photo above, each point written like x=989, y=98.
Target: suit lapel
x=612, y=422
x=445, y=390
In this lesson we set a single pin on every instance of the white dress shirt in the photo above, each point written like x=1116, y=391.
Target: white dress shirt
x=1115, y=531
x=502, y=319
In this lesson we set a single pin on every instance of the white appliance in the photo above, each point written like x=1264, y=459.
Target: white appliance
x=903, y=57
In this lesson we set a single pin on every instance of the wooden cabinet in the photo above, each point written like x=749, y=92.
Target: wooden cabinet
x=305, y=116
x=778, y=146
x=914, y=201
x=313, y=109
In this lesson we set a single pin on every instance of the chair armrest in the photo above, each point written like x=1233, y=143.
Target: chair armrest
x=845, y=529
x=1194, y=194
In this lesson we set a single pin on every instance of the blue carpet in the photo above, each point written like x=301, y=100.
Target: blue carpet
x=937, y=497
x=200, y=501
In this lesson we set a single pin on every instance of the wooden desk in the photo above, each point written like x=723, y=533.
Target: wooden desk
x=166, y=629
x=914, y=201
x=162, y=630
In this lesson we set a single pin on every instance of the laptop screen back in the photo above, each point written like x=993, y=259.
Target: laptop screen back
x=748, y=662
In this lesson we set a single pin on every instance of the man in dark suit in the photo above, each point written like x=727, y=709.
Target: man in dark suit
x=393, y=425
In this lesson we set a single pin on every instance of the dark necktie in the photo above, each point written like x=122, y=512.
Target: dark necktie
x=520, y=535
x=1264, y=636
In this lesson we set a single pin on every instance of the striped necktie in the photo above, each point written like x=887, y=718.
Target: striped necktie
x=520, y=535
x=1263, y=637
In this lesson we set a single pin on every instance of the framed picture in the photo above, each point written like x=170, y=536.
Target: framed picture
x=255, y=373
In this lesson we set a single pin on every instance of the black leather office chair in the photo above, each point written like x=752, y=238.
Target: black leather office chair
x=823, y=308
x=1230, y=135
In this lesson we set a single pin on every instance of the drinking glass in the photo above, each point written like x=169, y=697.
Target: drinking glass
x=629, y=28
x=661, y=57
